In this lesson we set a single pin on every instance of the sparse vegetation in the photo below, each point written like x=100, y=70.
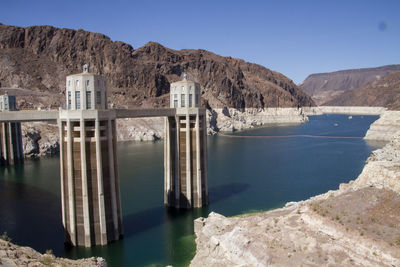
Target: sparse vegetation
x=47, y=260
x=5, y=237
x=398, y=241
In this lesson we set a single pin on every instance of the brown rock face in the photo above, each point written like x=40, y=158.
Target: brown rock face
x=39, y=58
x=384, y=92
x=324, y=87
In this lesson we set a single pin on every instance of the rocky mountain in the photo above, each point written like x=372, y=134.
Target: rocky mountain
x=323, y=87
x=384, y=92
x=37, y=59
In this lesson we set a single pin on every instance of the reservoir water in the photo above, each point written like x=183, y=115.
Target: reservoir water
x=249, y=173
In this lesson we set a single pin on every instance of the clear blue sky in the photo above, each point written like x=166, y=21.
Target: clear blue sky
x=296, y=38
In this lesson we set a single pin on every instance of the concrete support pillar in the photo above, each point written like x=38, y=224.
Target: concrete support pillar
x=205, y=158
x=16, y=138
x=167, y=160
x=20, y=143
x=61, y=132
x=11, y=141
x=85, y=198
x=71, y=185
x=4, y=141
x=188, y=163
x=112, y=177
x=177, y=163
x=198, y=162
x=99, y=165
x=117, y=183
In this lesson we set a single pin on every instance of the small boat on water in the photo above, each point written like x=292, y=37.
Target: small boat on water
x=350, y=117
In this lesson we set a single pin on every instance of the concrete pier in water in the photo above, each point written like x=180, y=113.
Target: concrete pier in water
x=91, y=206
x=11, y=151
x=185, y=151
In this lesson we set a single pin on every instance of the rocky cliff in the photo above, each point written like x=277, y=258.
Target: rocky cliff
x=39, y=58
x=384, y=128
x=356, y=225
x=384, y=92
x=323, y=87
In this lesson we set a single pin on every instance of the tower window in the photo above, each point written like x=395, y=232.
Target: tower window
x=69, y=100
x=87, y=83
x=197, y=99
x=88, y=100
x=78, y=100
x=98, y=97
x=175, y=103
x=182, y=100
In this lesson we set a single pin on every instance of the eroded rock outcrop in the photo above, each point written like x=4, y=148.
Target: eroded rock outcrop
x=13, y=255
x=40, y=139
x=385, y=128
x=229, y=119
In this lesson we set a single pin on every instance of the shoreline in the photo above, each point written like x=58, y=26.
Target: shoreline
x=325, y=229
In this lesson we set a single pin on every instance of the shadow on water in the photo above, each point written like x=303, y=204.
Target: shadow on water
x=36, y=226
x=218, y=193
x=150, y=218
x=144, y=220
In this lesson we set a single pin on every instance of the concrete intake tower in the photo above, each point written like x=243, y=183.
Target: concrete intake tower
x=90, y=191
x=185, y=151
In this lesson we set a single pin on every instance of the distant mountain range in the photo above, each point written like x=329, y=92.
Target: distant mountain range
x=324, y=87
x=38, y=59
x=383, y=92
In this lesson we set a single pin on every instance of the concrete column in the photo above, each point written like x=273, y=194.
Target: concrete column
x=20, y=143
x=11, y=144
x=99, y=165
x=112, y=178
x=4, y=141
x=198, y=163
x=61, y=132
x=177, y=163
x=205, y=158
x=166, y=159
x=188, y=163
x=71, y=197
x=85, y=198
x=116, y=171
x=16, y=141
x=169, y=163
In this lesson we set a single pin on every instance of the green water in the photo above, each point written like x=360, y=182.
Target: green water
x=245, y=174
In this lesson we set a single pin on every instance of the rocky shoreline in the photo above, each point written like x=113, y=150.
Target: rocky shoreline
x=356, y=225
x=12, y=255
